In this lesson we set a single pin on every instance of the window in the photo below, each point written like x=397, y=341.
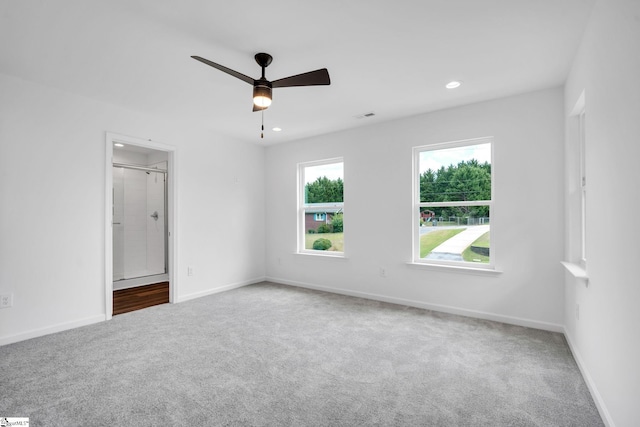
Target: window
x=583, y=193
x=576, y=209
x=321, y=207
x=452, y=203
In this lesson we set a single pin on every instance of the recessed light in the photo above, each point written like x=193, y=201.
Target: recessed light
x=453, y=84
x=276, y=129
x=117, y=144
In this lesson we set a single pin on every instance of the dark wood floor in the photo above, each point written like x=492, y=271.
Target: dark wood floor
x=126, y=300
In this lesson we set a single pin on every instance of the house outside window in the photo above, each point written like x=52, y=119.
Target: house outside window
x=452, y=203
x=321, y=207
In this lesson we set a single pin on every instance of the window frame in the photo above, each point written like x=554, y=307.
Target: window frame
x=583, y=188
x=302, y=208
x=417, y=204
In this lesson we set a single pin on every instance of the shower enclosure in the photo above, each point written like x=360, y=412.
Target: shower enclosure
x=139, y=224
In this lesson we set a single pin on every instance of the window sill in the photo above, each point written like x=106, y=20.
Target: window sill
x=578, y=271
x=325, y=255
x=456, y=269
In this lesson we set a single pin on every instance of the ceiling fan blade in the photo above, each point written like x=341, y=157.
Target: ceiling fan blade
x=312, y=78
x=225, y=69
x=256, y=108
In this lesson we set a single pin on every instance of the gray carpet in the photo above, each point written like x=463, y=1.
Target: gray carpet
x=273, y=355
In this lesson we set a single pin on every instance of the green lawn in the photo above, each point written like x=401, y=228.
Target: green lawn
x=336, y=239
x=483, y=242
x=432, y=239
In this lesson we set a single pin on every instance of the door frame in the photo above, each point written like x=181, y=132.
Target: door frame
x=110, y=139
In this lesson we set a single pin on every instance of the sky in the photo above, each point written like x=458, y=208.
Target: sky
x=434, y=159
x=332, y=171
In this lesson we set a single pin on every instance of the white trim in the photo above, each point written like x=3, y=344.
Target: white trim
x=468, y=268
x=108, y=227
x=322, y=162
x=225, y=288
x=454, y=144
x=578, y=271
x=110, y=139
x=518, y=321
x=588, y=379
x=310, y=253
x=59, y=327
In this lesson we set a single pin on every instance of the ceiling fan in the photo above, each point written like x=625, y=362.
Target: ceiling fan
x=262, y=87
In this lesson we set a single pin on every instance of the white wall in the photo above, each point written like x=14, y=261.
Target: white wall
x=605, y=338
x=527, y=220
x=52, y=214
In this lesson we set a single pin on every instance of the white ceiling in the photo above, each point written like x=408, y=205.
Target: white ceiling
x=391, y=58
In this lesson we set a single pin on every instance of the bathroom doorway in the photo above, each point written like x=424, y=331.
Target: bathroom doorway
x=139, y=199
x=139, y=217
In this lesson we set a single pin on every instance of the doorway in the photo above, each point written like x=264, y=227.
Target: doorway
x=139, y=229
x=140, y=218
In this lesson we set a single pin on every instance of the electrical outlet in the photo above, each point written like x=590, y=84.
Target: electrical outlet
x=383, y=272
x=189, y=271
x=6, y=300
x=577, y=311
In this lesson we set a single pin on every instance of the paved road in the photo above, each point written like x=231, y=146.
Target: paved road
x=452, y=249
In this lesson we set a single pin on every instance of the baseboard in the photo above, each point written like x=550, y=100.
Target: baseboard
x=597, y=398
x=427, y=306
x=34, y=333
x=187, y=297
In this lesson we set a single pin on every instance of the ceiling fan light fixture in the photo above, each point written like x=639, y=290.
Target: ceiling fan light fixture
x=262, y=87
x=262, y=96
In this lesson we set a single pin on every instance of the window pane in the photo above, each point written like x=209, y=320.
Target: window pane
x=455, y=233
x=323, y=183
x=456, y=174
x=325, y=235
x=322, y=207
